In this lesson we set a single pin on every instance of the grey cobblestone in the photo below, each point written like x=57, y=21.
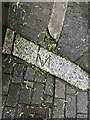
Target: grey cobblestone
x=7, y=47
x=9, y=112
x=7, y=64
x=58, y=111
x=13, y=95
x=82, y=102
x=30, y=74
x=49, y=85
x=25, y=111
x=25, y=50
x=38, y=94
x=70, y=106
x=5, y=83
x=3, y=101
x=59, y=89
x=70, y=90
x=25, y=95
x=82, y=116
x=18, y=73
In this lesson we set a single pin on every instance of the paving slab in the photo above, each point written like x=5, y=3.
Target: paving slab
x=74, y=36
x=5, y=83
x=9, y=112
x=7, y=64
x=82, y=102
x=25, y=111
x=70, y=106
x=51, y=63
x=25, y=95
x=30, y=74
x=57, y=19
x=13, y=95
x=82, y=116
x=83, y=62
x=59, y=89
x=38, y=94
x=49, y=85
x=18, y=73
x=9, y=37
x=30, y=19
x=25, y=50
x=58, y=111
x=62, y=68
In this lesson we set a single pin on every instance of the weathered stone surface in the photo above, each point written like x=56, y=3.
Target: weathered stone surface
x=38, y=94
x=5, y=83
x=49, y=85
x=9, y=112
x=9, y=37
x=0, y=106
x=18, y=73
x=83, y=62
x=62, y=68
x=70, y=106
x=70, y=90
x=59, y=89
x=30, y=73
x=25, y=49
x=7, y=64
x=30, y=19
x=82, y=116
x=13, y=95
x=58, y=111
x=74, y=38
x=25, y=111
x=51, y=63
x=57, y=19
x=25, y=95
x=82, y=102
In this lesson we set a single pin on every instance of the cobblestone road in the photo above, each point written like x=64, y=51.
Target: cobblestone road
x=30, y=92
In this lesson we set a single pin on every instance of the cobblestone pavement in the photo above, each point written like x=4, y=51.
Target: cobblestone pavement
x=30, y=92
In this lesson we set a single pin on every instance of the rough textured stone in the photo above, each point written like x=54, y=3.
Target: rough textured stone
x=25, y=50
x=25, y=95
x=56, y=65
x=7, y=47
x=38, y=94
x=13, y=95
x=82, y=116
x=25, y=111
x=70, y=106
x=70, y=90
x=9, y=112
x=57, y=19
x=62, y=68
x=59, y=89
x=5, y=83
x=18, y=73
x=49, y=85
x=58, y=111
x=82, y=102
x=83, y=62
x=71, y=42
x=30, y=19
x=0, y=106
x=30, y=73
x=7, y=64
